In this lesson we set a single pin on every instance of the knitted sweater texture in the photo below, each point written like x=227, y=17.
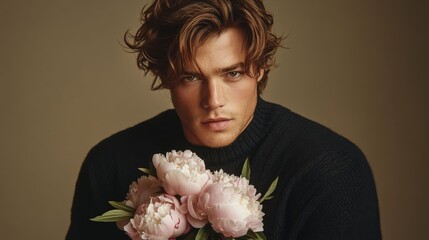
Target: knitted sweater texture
x=325, y=190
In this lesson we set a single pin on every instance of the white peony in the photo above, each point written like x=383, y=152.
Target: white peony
x=159, y=219
x=181, y=173
x=230, y=204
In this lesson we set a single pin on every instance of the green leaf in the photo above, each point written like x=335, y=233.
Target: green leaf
x=147, y=171
x=251, y=235
x=189, y=236
x=269, y=197
x=255, y=235
x=245, y=237
x=203, y=233
x=261, y=236
x=113, y=216
x=207, y=233
x=122, y=206
x=271, y=189
x=245, y=172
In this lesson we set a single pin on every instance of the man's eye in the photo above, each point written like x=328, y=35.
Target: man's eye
x=189, y=78
x=234, y=74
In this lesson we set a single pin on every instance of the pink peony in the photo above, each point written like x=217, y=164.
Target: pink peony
x=181, y=173
x=158, y=219
x=231, y=206
x=141, y=191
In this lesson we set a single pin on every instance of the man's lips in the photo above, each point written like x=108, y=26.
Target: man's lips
x=216, y=124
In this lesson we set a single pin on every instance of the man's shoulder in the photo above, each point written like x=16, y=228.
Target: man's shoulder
x=311, y=141
x=304, y=150
x=141, y=134
x=301, y=129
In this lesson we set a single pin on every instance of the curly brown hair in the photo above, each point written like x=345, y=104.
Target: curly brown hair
x=172, y=30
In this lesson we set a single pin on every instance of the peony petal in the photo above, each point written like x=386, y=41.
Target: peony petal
x=184, y=204
x=162, y=230
x=181, y=224
x=196, y=217
x=188, y=153
x=203, y=179
x=255, y=223
x=157, y=159
x=163, y=168
x=131, y=231
x=231, y=211
x=218, y=193
x=196, y=223
x=229, y=227
x=147, y=187
x=192, y=204
x=178, y=183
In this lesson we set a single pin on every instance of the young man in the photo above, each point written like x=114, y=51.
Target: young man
x=214, y=57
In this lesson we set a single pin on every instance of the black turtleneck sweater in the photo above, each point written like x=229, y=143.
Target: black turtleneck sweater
x=325, y=191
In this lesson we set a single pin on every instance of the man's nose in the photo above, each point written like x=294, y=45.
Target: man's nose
x=213, y=94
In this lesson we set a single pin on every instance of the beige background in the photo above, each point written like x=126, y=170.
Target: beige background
x=359, y=67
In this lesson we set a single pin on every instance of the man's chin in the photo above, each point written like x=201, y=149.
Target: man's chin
x=211, y=139
x=217, y=141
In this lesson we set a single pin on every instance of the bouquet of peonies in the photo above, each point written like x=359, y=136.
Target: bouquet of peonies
x=184, y=195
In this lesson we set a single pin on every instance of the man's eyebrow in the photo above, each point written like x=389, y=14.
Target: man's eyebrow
x=232, y=67
x=220, y=70
x=194, y=73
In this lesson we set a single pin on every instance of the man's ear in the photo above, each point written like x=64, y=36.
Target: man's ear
x=260, y=74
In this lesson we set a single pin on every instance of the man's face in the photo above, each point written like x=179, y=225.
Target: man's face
x=215, y=102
